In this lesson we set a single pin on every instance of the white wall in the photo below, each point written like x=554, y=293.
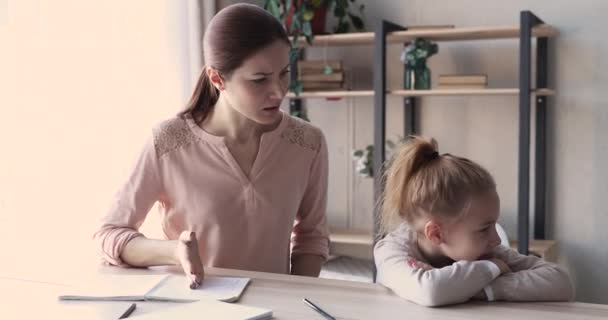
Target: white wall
x=81, y=86
x=485, y=128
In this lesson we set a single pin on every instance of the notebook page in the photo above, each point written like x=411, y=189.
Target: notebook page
x=176, y=288
x=113, y=287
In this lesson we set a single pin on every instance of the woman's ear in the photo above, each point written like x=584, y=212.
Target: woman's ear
x=215, y=78
x=433, y=232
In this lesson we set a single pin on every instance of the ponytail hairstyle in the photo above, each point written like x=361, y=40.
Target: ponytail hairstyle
x=420, y=183
x=233, y=35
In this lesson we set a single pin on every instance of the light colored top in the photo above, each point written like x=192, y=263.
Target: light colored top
x=401, y=267
x=241, y=222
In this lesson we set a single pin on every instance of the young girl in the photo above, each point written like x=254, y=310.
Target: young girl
x=445, y=249
x=232, y=173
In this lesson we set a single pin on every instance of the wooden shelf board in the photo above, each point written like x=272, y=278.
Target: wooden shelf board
x=468, y=33
x=434, y=34
x=332, y=94
x=468, y=92
x=542, y=248
x=418, y=93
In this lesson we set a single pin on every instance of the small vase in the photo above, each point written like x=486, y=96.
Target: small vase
x=418, y=78
x=422, y=76
x=408, y=79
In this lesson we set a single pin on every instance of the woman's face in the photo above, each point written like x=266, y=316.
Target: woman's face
x=258, y=86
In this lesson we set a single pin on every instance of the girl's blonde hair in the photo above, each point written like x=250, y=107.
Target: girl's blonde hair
x=421, y=182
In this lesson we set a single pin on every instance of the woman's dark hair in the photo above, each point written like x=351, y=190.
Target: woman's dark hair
x=233, y=34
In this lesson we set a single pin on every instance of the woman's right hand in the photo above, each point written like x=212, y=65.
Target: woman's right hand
x=186, y=252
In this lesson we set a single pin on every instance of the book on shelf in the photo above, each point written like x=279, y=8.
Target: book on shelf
x=321, y=77
x=320, y=86
x=317, y=66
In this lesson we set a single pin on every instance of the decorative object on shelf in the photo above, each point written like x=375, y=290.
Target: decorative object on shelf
x=364, y=158
x=307, y=17
x=417, y=74
x=321, y=74
x=463, y=81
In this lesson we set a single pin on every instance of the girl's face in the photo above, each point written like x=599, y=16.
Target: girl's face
x=473, y=236
x=258, y=86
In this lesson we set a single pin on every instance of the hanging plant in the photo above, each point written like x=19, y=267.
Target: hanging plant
x=364, y=158
x=304, y=18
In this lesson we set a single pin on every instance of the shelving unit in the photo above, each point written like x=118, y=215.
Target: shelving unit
x=419, y=93
x=449, y=34
x=530, y=27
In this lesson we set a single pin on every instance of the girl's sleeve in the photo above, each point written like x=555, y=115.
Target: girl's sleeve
x=532, y=279
x=427, y=286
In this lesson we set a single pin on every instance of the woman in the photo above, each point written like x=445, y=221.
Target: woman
x=240, y=183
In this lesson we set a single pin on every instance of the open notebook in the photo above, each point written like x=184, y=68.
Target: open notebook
x=208, y=309
x=158, y=288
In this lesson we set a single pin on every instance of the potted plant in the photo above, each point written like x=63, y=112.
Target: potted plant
x=364, y=158
x=417, y=74
x=307, y=17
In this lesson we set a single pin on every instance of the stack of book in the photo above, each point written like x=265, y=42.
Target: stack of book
x=318, y=75
x=463, y=81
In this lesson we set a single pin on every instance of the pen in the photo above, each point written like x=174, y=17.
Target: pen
x=319, y=310
x=128, y=311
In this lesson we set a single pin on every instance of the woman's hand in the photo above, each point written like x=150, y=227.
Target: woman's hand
x=186, y=253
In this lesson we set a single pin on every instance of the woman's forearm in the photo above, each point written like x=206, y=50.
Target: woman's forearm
x=307, y=265
x=142, y=252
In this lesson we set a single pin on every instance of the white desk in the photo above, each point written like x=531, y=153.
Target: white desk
x=23, y=299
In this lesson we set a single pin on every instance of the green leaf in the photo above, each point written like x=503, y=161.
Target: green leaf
x=317, y=3
x=357, y=22
x=308, y=14
x=288, y=4
x=298, y=88
x=294, y=42
x=339, y=12
x=294, y=55
x=309, y=38
x=358, y=153
x=342, y=27
x=306, y=29
x=274, y=9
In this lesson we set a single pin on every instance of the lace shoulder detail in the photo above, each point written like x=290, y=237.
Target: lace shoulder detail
x=171, y=135
x=303, y=134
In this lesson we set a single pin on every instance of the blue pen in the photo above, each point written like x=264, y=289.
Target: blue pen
x=319, y=310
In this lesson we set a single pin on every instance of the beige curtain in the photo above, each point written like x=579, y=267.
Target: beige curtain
x=200, y=13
